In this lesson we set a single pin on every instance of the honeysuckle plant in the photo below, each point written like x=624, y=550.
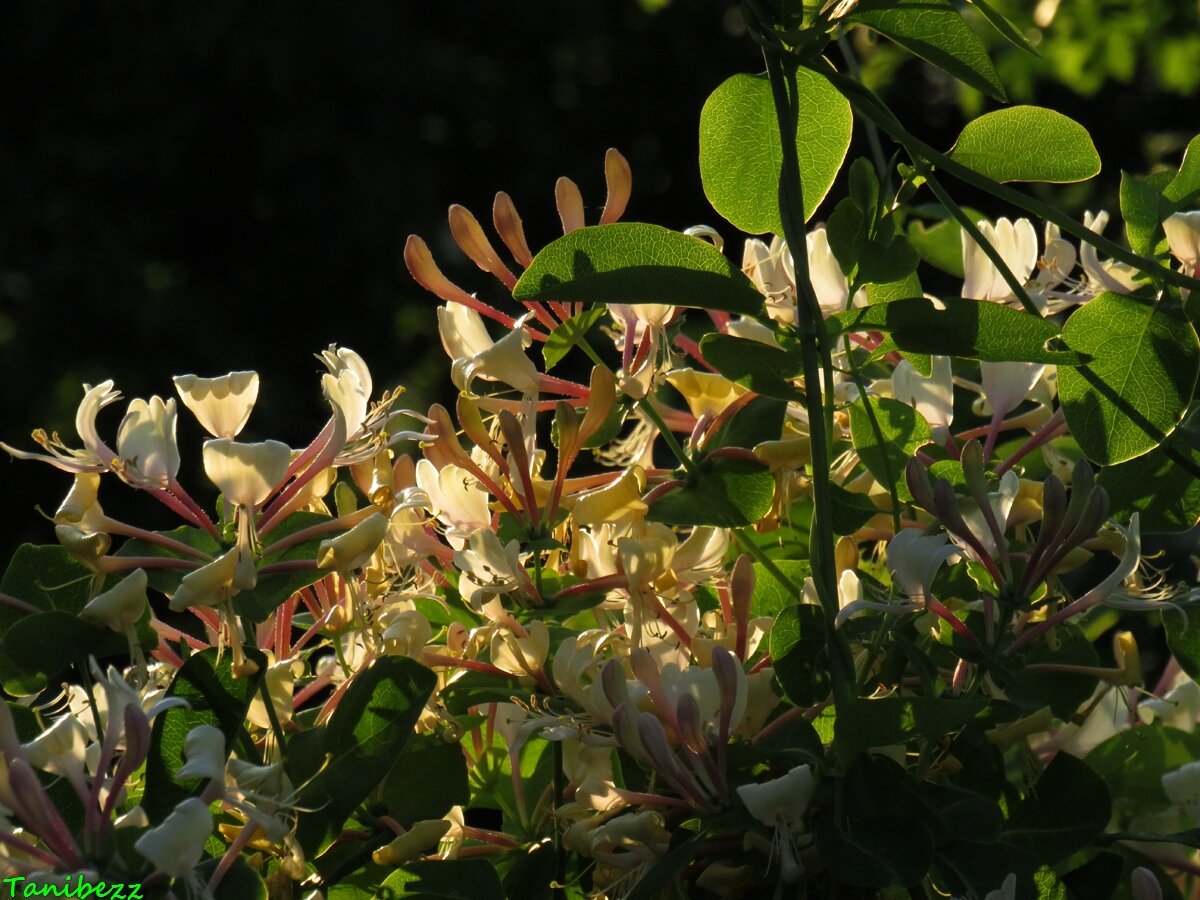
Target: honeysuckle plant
x=808, y=580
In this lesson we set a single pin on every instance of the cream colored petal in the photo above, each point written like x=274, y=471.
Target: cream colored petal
x=245, y=474
x=222, y=405
x=146, y=440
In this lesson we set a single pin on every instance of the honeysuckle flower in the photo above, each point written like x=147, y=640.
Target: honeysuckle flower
x=493, y=566
x=221, y=405
x=701, y=555
x=932, y=397
x=913, y=559
x=121, y=605
x=245, y=474
x=706, y=393
x=1178, y=708
x=619, y=500
x=521, y=656
x=1183, y=237
x=176, y=845
x=1144, y=884
x=406, y=631
x=280, y=678
x=1006, y=891
x=1109, y=275
x=96, y=456
x=475, y=355
x=455, y=499
x=146, y=443
x=781, y=804
x=349, y=371
x=1017, y=244
x=351, y=550
x=81, y=508
x=1001, y=503
x=207, y=585
x=1182, y=787
x=60, y=749
x=204, y=753
x=828, y=281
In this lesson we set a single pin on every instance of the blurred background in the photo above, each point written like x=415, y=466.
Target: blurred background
x=229, y=185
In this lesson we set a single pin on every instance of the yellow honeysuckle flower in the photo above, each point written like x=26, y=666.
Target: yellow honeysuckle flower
x=222, y=405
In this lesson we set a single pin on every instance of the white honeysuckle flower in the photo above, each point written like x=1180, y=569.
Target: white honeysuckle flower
x=456, y=500
x=245, y=474
x=60, y=749
x=1017, y=244
x=1182, y=787
x=175, y=846
x=120, y=606
x=932, y=397
x=1006, y=385
x=913, y=559
x=1178, y=708
x=700, y=557
x=1145, y=884
x=406, y=631
x=81, y=507
x=344, y=392
x=828, y=281
x=204, y=752
x=701, y=683
x=751, y=330
x=1109, y=275
x=96, y=456
x=343, y=359
x=351, y=550
x=1006, y=891
x=280, y=678
x=764, y=265
x=783, y=799
x=521, y=656
x=706, y=393
x=1183, y=237
x=146, y=442
x=221, y=405
x=474, y=354
x=207, y=585
x=1001, y=502
x=492, y=566
x=617, y=501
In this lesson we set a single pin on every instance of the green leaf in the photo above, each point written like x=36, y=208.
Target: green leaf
x=934, y=31
x=876, y=851
x=975, y=870
x=365, y=734
x=1161, y=486
x=441, y=785
x=975, y=329
x=51, y=642
x=1065, y=811
x=849, y=511
x=462, y=879
x=1132, y=763
x=652, y=884
x=903, y=430
x=801, y=661
x=760, y=367
x=1096, y=879
x=769, y=595
x=740, y=150
x=214, y=697
x=894, y=720
x=939, y=244
x=1027, y=143
x=1004, y=28
x=631, y=262
x=759, y=420
x=1186, y=184
x=241, y=882
x=1136, y=388
x=1143, y=209
x=569, y=334
x=728, y=493
x=1182, y=625
x=1063, y=692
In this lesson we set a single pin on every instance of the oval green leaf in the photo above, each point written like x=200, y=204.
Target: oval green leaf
x=632, y=262
x=740, y=152
x=935, y=31
x=974, y=329
x=1136, y=388
x=1027, y=143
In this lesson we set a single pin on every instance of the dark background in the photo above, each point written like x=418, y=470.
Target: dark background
x=228, y=185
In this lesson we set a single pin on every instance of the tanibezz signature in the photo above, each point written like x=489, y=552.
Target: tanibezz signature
x=82, y=888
